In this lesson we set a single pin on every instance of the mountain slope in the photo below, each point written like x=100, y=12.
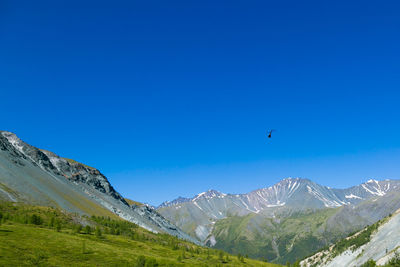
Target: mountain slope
x=280, y=239
x=40, y=177
x=379, y=242
x=290, y=235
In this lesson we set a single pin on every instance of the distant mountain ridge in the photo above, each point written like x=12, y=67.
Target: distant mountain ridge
x=197, y=215
x=286, y=192
x=40, y=177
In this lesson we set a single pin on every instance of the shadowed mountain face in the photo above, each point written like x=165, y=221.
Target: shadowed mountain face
x=41, y=177
x=284, y=222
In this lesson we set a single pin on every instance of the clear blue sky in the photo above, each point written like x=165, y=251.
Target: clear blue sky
x=171, y=98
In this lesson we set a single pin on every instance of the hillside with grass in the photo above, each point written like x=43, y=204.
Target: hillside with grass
x=280, y=239
x=45, y=236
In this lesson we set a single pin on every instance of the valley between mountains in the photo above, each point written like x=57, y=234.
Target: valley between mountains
x=290, y=221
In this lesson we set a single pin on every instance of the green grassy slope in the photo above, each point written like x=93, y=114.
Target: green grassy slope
x=277, y=239
x=44, y=236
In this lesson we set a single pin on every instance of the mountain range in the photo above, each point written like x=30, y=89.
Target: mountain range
x=294, y=193
x=277, y=222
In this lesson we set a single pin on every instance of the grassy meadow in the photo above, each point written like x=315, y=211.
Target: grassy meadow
x=44, y=236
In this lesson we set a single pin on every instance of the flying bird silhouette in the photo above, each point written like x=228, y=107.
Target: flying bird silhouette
x=269, y=133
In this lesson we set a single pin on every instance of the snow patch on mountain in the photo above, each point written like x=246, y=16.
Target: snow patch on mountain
x=352, y=196
x=377, y=191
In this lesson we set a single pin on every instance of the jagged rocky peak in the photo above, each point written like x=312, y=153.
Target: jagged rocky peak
x=25, y=150
x=58, y=166
x=12, y=139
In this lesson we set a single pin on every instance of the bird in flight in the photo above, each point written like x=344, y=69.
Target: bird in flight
x=269, y=133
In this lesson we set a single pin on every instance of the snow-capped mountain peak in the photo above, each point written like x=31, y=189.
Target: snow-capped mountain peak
x=293, y=193
x=209, y=194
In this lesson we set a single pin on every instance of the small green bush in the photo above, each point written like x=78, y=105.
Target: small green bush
x=58, y=226
x=87, y=229
x=369, y=263
x=78, y=228
x=151, y=262
x=35, y=219
x=98, y=231
x=141, y=261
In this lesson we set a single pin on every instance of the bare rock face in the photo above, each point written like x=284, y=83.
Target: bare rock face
x=41, y=177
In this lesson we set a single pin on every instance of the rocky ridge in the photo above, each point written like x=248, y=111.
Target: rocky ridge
x=41, y=177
